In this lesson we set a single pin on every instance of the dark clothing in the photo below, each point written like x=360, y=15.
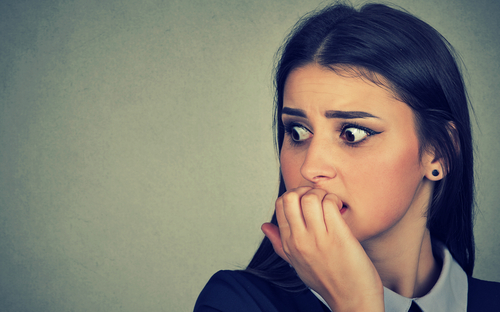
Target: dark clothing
x=483, y=295
x=239, y=291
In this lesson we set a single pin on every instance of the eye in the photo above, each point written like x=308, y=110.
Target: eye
x=297, y=132
x=354, y=135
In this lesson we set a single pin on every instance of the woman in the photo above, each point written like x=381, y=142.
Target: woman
x=375, y=207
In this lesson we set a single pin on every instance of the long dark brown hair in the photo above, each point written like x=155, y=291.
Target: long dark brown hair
x=421, y=69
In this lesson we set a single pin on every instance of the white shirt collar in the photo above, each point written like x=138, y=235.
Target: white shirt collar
x=448, y=294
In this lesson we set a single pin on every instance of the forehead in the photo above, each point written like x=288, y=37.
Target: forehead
x=344, y=89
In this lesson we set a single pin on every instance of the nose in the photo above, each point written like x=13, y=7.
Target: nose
x=318, y=165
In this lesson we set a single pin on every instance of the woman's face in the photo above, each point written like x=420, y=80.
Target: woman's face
x=353, y=138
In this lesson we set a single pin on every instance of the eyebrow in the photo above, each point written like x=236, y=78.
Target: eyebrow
x=329, y=113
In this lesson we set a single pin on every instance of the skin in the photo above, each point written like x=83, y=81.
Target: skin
x=353, y=218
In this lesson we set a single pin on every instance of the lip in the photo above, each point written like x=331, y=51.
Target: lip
x=343, y=209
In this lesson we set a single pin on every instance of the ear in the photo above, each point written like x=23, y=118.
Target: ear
x=432, y=164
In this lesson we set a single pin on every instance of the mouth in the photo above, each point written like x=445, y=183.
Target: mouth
x=343, y=209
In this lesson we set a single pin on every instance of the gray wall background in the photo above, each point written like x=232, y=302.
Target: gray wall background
x=136, y=153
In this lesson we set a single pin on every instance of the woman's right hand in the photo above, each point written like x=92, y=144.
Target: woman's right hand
x=314, y=238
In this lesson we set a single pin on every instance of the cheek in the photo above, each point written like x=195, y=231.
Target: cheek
x=383, y=171
x=384, y=189
x=290, y=164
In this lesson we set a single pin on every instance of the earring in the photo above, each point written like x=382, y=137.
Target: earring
x=435, y=172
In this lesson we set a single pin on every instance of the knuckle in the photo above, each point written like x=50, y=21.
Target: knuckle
x=331, y=199
x=295, y=243
x=279, y=203
x=289, y=198
x=310, y=198
x=305, y=249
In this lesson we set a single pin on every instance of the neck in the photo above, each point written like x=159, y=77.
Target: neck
x=403, y=256
x=407, y=268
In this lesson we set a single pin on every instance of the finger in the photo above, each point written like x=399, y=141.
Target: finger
x=283, y=225
x=292, y=209
x=273, y=234
x=284, y=231
x=312, y=210
x=333, y=218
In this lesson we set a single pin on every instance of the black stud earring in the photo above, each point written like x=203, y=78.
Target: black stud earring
x=435, y=172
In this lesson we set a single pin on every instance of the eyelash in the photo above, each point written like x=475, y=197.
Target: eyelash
x=288, y=127
x=346, y=126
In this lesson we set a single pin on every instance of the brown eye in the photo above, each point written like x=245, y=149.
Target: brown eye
x=299, y=134
x=354, y=135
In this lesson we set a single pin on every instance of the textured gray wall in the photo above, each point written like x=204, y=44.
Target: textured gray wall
x=136, y=152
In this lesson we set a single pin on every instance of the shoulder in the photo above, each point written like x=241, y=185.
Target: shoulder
x=242, y=291
x=483, y=295
x=229, y=291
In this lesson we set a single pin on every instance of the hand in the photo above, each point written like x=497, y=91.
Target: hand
x=314, y=238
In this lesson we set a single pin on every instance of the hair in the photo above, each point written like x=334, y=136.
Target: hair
x=419, y=66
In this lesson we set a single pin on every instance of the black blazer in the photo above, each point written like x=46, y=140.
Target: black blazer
x=229, y=291
x=483, y=295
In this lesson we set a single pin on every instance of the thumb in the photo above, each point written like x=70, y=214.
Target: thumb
x=272, y=232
